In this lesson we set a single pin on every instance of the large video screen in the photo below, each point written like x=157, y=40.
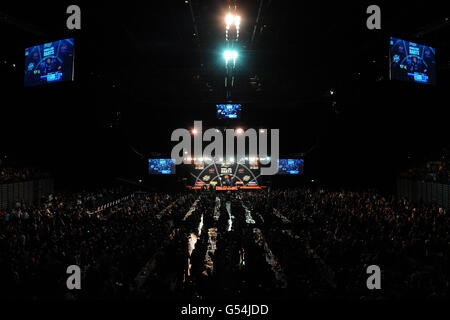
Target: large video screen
x=290, y=166
x=413, y=62
x=228, y=111
x=161, y=166
x=49, y=62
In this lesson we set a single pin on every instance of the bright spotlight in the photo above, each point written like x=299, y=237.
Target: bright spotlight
x=227, y=55
x=229, y=19
x=230, y=55
x=237, y=21
x=194, y=131
x=239, y=131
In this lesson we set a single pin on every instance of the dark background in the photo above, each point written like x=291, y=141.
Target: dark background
x=145, y=68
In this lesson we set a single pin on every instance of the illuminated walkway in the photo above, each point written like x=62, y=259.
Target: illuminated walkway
x=230, y=219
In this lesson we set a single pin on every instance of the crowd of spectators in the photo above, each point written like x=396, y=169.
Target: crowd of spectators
x=323, y=243
x=238, y=268
x=39, y=242
x=206, y=244
x=333, y=236
x=10, y=174
x=434, y=169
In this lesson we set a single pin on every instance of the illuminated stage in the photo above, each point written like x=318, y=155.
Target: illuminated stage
x=228, y=188
x=244, y=174
x=225, y=175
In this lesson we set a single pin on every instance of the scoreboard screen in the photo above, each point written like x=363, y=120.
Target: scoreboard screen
x=161, y=166
x=49, y=62
x=228, y=111
x=412, y=62
x=290, y=166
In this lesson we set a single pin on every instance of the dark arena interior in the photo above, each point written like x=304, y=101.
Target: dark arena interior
x=241, y=154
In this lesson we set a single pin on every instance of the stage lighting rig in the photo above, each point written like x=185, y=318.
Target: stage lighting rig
x=237, y=21
x=231, y=19
x=228, y=55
